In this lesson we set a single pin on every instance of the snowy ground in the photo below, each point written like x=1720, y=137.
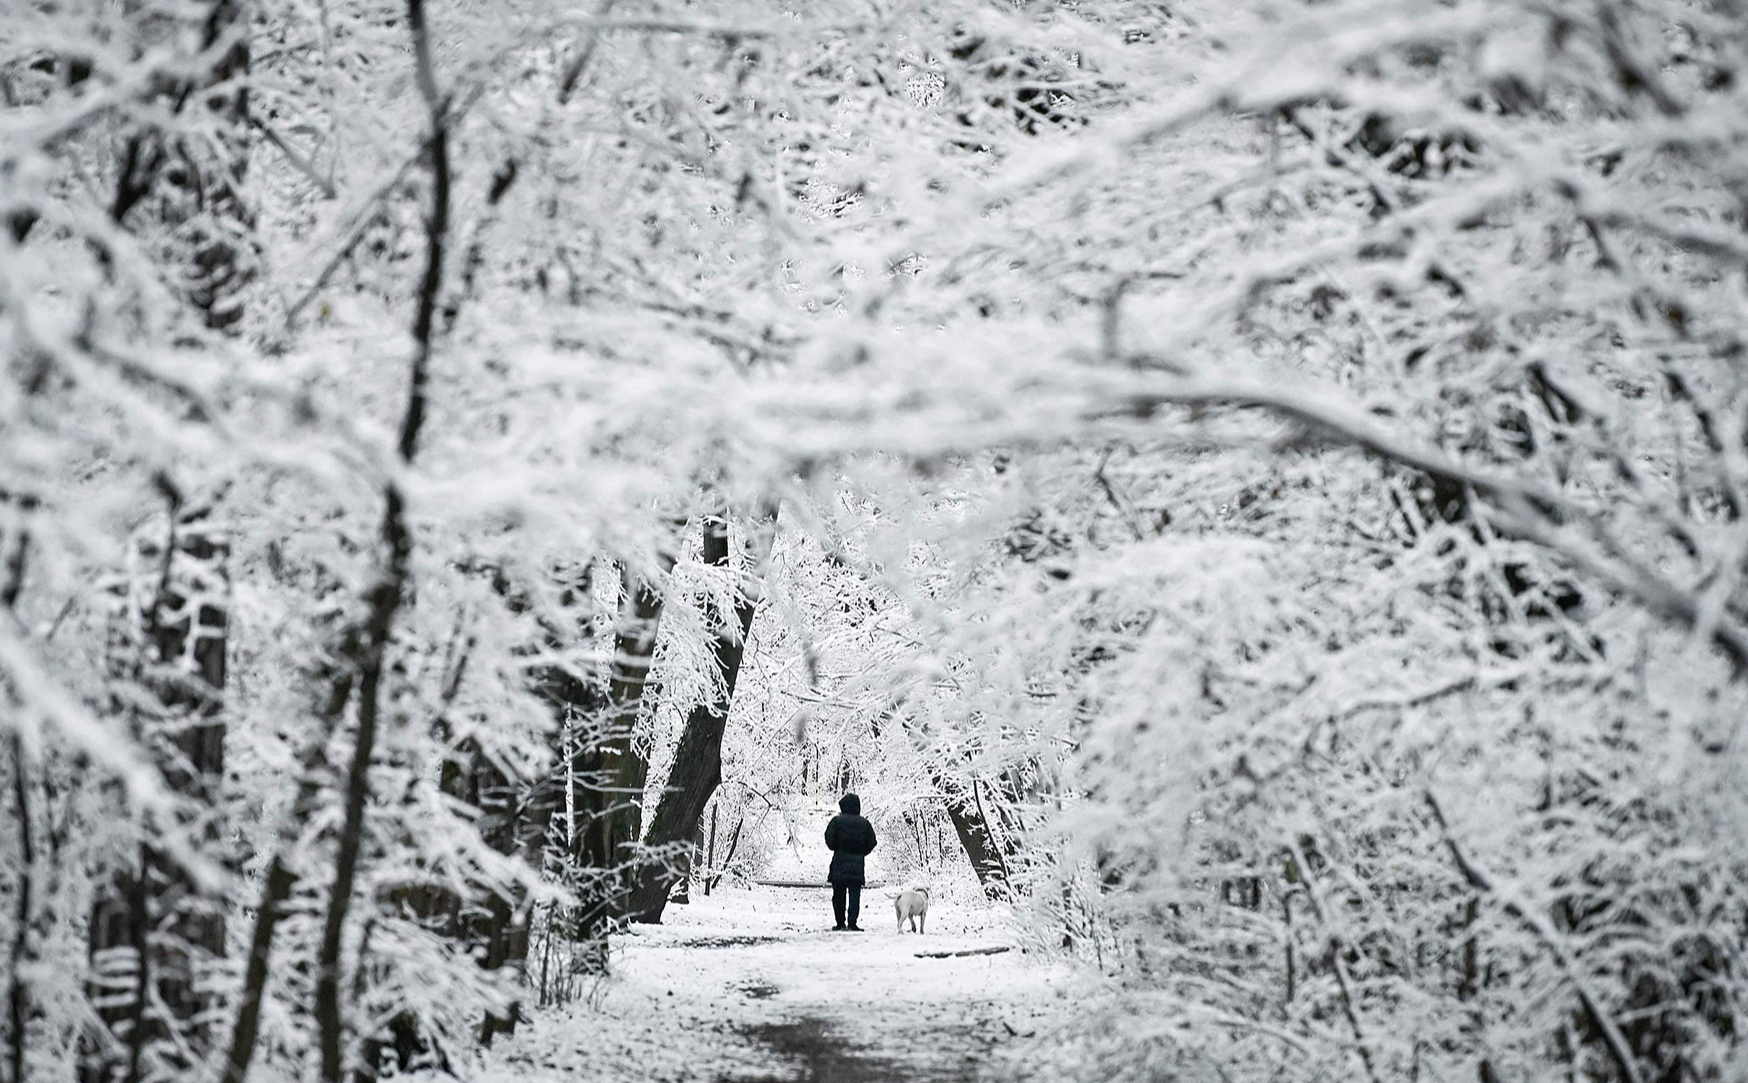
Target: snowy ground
x=751, y=986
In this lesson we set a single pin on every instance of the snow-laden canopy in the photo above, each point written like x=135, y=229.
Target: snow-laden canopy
x=1252, y=487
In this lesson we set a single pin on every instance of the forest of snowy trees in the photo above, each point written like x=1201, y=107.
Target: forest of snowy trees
x=1258, y=484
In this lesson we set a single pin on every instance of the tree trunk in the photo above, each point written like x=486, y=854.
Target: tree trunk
x=336, y=679
x=688, y=870
x=386, y=597
x=195, y=169
x=597, y=783
x=981, y=848
x=710, y=852
x=389, y=591
x=716, y=874
x=987, y=852
x=563, y=797
x=615, y=770
x=697, y=766
x=153, y=930
x=18, y=991
x=521, y=825
x=218, y=229
x=497, y=953
x=24, y=912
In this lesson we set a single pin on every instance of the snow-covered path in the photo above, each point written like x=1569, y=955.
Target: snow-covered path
x=750, y=986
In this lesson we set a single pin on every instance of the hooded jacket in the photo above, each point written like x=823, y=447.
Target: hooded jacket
x=851, y=838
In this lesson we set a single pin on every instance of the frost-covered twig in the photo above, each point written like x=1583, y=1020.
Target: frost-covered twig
x=1544, y=933
x=1534, y=510
x=386, y=596
x=368, y=208
x=296, y=157
x=1333, y=955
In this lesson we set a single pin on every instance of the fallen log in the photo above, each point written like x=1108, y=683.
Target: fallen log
x=996, y=950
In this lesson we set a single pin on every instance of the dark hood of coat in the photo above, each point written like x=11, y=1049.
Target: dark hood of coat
x=850, y=805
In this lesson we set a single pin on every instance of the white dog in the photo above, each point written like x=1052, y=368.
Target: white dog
x=912, y=904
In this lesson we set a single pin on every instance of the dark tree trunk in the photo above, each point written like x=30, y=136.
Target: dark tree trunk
x=710, y=852
x=385, y=597
x=218, y=231
x=618, y=824
x=197, y=174
x=688, y=867
x=518, y=823
x=18, y=992
x=697, y=769
x=558, y=808
x=337, y=681
x=985, y=848
x=385, y=602
x=717, y=872
x=599, y=777
x=611, y=768
x=151, y=919
x=153, y=929
x=16, y=550
x=986, y=854
x=497, y=953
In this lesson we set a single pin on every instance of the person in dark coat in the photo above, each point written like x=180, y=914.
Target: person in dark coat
x=851, y=839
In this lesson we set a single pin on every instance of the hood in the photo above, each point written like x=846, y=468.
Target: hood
x=850, y=805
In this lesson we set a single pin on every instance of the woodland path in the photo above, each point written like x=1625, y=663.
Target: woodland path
x=753, y=987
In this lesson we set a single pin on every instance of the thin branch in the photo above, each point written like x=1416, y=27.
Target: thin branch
x=367, y=211
x=1538, y=927
x=574, y=71
x=386, y=596
x=725, y=31
x=294, y=156
x=1334, y=952
x=1535, y=512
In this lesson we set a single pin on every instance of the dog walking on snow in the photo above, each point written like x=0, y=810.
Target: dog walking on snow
x=912, y=904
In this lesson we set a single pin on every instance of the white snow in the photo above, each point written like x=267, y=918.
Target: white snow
x=750, y=985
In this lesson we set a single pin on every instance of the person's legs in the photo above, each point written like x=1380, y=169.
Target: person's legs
x=838, y=904
x=855, y=903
